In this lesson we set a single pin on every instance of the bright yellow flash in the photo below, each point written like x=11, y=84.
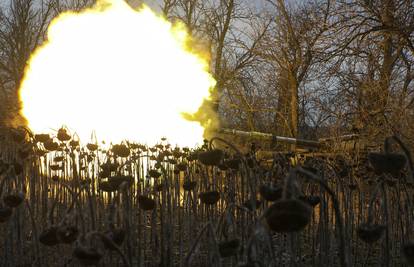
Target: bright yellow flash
x=127, y=74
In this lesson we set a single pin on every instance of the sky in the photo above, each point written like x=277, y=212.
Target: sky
x=259, y=4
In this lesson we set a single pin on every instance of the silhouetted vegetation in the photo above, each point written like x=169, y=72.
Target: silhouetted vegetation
x=132, y=205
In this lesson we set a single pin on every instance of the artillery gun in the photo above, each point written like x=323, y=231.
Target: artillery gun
x=269, y=143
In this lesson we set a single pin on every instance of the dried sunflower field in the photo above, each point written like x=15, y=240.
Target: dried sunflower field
x=127, y=204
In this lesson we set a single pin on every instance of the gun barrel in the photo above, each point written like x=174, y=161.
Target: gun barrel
x=267, y=136
x=315, y=144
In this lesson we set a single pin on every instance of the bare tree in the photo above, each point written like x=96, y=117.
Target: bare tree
x=235, y=32
x=293, y=45
x=374, y=47
x=23, y=24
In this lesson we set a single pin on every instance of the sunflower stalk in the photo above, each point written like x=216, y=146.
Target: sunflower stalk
x=343, y=254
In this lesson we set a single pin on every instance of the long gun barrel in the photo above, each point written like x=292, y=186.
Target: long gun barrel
x=315, y=144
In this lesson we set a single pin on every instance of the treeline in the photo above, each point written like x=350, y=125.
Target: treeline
x=293, y=68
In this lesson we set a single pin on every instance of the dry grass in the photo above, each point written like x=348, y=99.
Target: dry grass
x=166, y=206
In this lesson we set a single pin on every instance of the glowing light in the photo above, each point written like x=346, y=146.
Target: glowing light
x=125, y=73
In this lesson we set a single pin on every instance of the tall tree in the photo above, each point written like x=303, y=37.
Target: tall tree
x=22, y=28
x=374, y=46
x=293, y=46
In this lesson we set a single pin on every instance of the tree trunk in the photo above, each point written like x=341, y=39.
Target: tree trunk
x=294, y=104
x=283, y=106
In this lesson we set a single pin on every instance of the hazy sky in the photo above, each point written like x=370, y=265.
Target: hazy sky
x=259, y=4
